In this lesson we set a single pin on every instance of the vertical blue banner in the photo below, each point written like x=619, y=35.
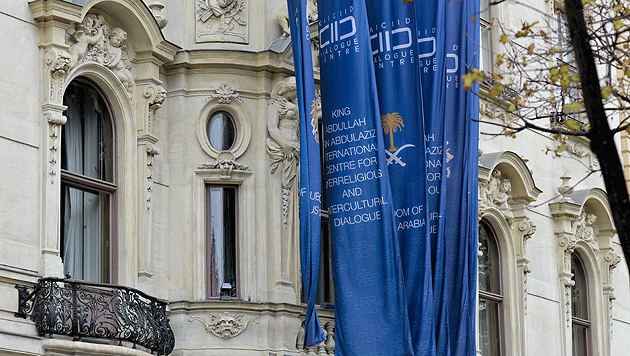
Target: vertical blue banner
x=394, y=39
x=370, y=302
x=310, y=167
x=446, y=38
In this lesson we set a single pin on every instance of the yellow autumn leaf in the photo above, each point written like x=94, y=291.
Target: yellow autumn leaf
x=561, y=148
x=512, y=107
x=606, y=91
x=504, y=38
x=573, y=125
x=573, y=107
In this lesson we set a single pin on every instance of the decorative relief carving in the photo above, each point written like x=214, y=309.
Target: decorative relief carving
x=93, y=41
x=224, y=94
x=59, y=63
x=612, y=259
x=226, y=163
x=496, y=193
x=528, y=228
x=568, y=284
x=583, y=228
x=226, y=325
x=155, y=104
x=283, y=143
x=151, y=152
x=222, y=21
x=526, y=271
x=491, y=110
x=55, y=120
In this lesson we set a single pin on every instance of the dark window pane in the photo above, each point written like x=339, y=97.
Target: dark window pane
x=221, y=131
x=488, y=262
x=221, y=239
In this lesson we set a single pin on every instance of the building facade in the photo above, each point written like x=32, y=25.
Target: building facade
x=151, y=145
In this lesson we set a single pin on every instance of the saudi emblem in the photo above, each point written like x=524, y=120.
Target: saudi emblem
x=391, y=123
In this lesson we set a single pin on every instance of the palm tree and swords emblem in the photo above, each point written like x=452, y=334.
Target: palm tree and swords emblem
x=391, y=123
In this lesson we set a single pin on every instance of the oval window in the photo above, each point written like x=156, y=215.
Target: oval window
x=221, y=131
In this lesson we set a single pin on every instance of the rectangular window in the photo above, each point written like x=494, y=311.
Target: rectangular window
x=485, y=53
x=221, y=232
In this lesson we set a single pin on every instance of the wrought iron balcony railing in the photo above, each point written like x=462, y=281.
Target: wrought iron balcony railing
x=98, y=311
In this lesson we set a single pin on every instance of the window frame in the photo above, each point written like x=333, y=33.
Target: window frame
x=492, y=297
x=96, y=186
x=579, y=321
x=236, y=292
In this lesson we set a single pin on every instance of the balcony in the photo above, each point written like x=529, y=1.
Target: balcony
x=86, y=310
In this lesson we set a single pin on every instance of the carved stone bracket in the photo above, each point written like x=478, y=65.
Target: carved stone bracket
x=224, y=94
x=528, y=228
x=151, y=152
x=58, y=62
x=155, y=104
x=226, y=325
x=225, y=163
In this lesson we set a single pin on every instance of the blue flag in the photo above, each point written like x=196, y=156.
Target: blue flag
x=310, y=167
x=370, y=302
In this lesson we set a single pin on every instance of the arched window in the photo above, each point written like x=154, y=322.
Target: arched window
x=87, y=183
x=580, y=319
x=490, y=295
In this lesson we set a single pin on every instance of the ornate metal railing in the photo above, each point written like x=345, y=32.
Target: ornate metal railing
x=99, y=311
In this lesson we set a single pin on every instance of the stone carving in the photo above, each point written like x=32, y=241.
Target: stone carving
x=226, y=163
x=93, y=41
x=283, y=17
x=226, y=325
x=155, y=104
x=283, y=145
x=496, y=193
x=526, y=271
x=151, y=152
x=613, y=260
x=568, y=284
x=528, y=228
x=58, y=63
x=55, y=120
x=156, y=10
x=224, y=94
x=565, y=189
x=583, y=227
x=492, y=111
x=221, y=21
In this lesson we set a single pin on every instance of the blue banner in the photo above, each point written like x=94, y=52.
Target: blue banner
x=419, y=54
x=370, y=300
x=448, y=34
x=310, y=167
x=394, y=35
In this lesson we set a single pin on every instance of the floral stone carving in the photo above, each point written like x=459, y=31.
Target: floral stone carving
x=226, y=325
x=222, y=21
